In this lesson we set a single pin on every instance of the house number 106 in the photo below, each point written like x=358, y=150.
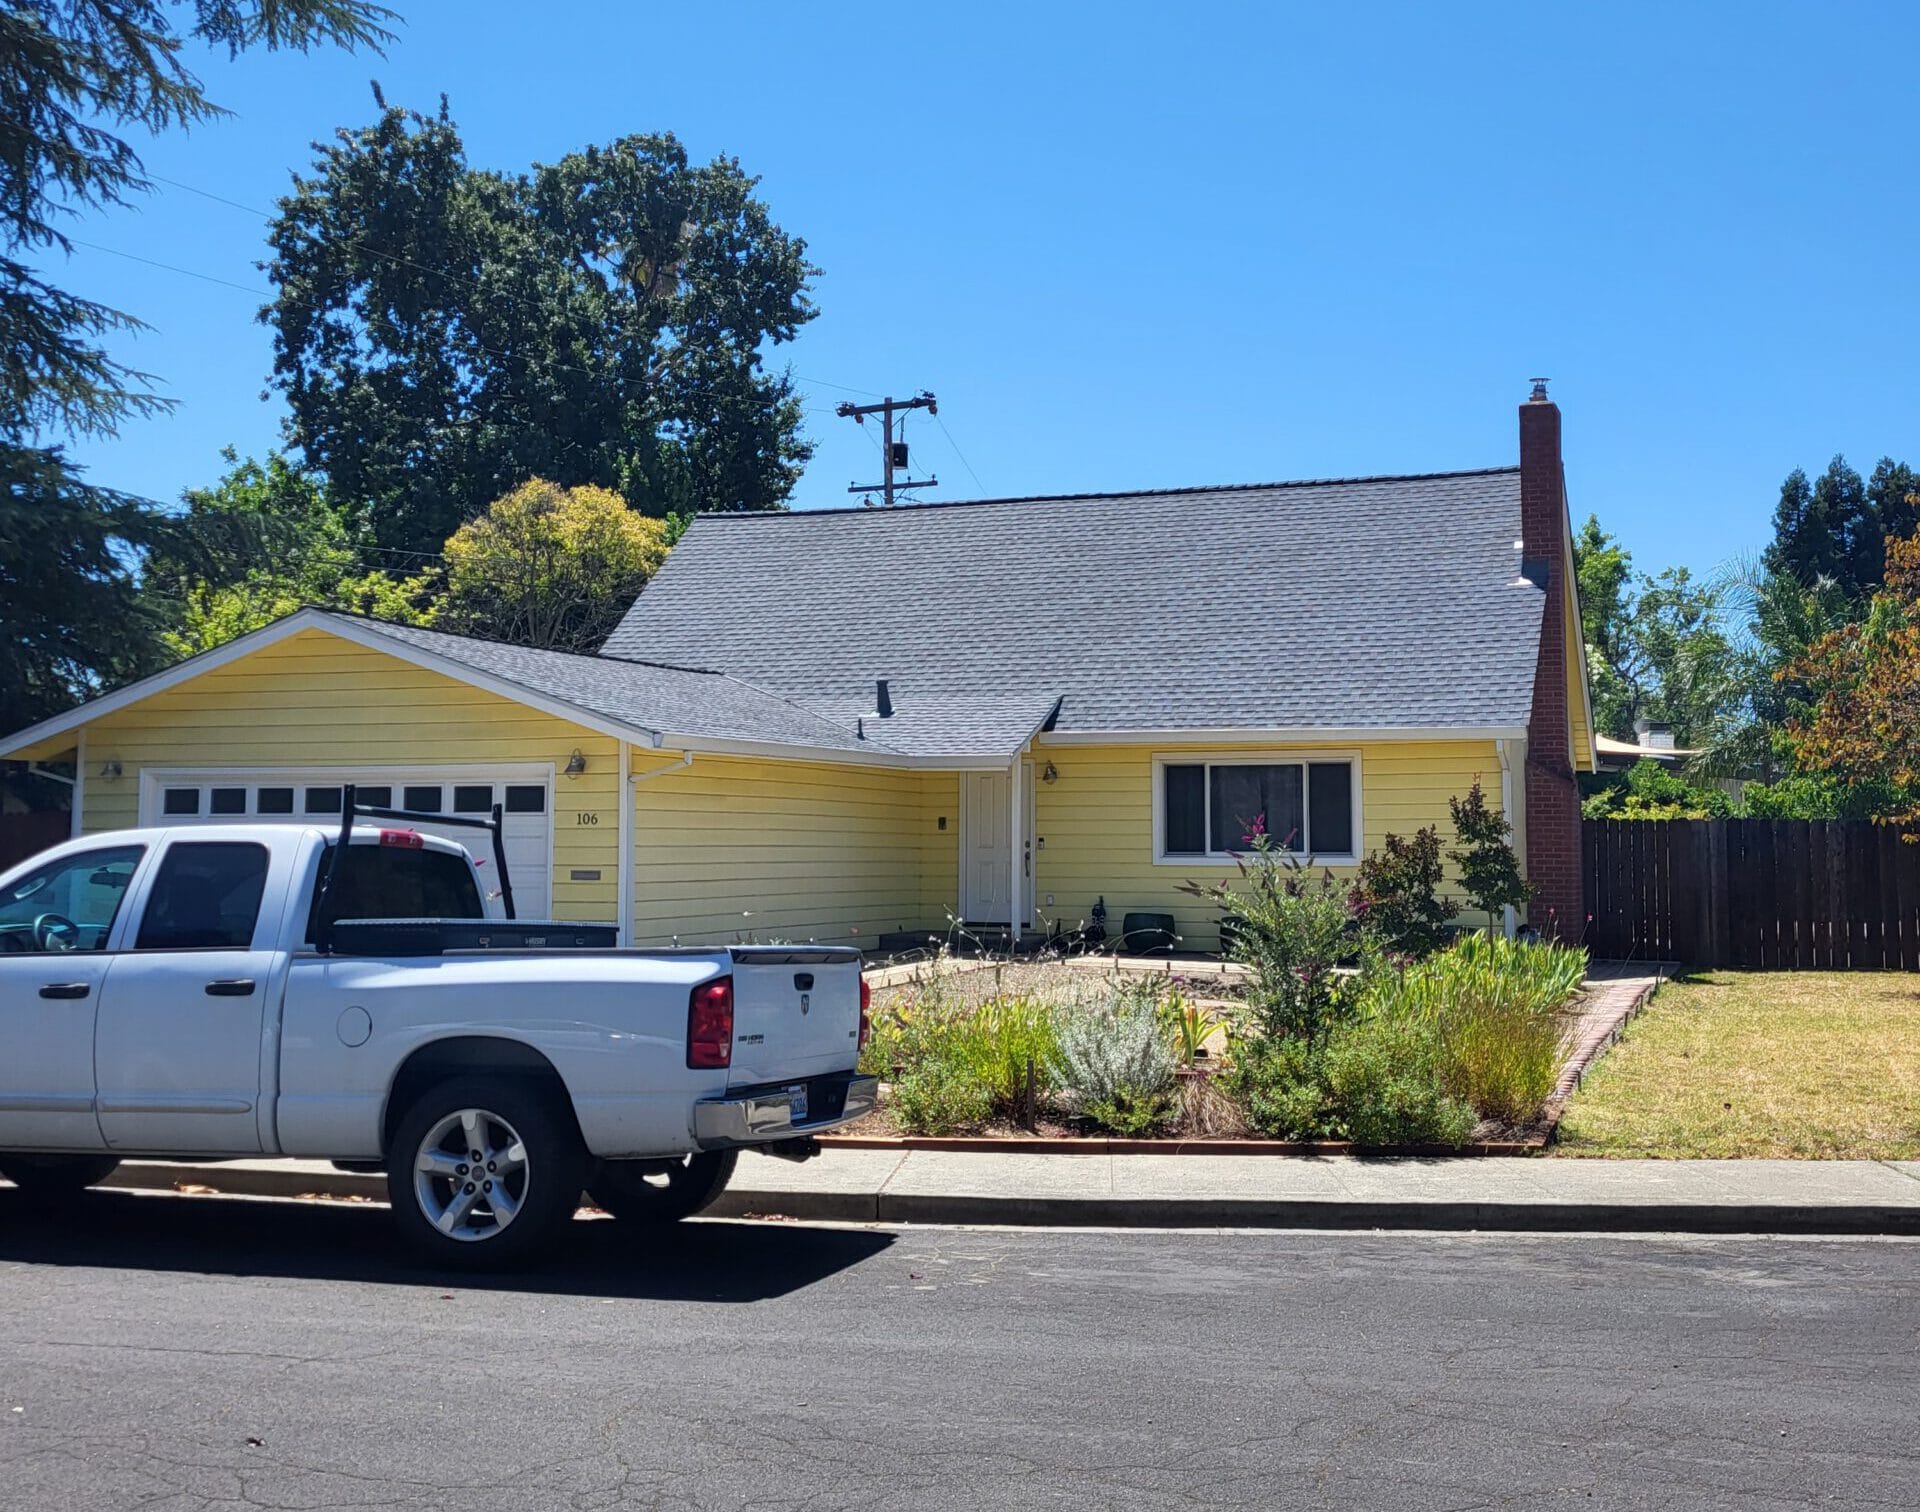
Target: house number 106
x=583, y=817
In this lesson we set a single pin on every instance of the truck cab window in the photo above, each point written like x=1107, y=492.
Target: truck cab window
x=206, y=897
x=396, y=882
x=69, y=904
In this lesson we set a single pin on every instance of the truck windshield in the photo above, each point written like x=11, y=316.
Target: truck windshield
x=395, y=882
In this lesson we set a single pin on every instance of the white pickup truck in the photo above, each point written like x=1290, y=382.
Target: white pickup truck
x=204, y=992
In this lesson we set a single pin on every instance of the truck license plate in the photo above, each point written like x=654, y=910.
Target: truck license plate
x=797, y=1100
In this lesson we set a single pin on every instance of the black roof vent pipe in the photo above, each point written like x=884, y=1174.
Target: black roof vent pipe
x=882, y=699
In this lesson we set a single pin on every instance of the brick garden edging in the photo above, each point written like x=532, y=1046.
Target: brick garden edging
x=976, y=1144
x=1627, y=987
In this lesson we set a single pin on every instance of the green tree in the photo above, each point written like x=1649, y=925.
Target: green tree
x=1658, y=647
x=1603, y=569
x=443, y=334
x=1484, y=857
x=75, y=75
x=1833, y=529
x=264, y=542
x=550, y=566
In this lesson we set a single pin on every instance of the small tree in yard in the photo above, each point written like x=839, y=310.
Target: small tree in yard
x=1489, y=870
x=1400, y=891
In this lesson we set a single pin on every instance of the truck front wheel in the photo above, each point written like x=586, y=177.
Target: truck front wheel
x=483, y=1171
x=52, y=1177
x=661, y=1191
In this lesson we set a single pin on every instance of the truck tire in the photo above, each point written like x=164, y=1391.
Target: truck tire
x=502, y=1208
x=661, y=1191
x=50, y=1178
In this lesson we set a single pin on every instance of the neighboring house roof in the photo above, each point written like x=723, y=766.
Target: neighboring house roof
x=1624, y=753
x=1351, y=605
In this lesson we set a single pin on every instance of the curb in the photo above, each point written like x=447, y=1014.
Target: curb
x=1852, y=1220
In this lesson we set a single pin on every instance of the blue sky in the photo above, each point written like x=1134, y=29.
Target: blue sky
x=1191, y=245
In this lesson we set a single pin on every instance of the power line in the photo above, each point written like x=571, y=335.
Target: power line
x=958, y=453
x=152, y=262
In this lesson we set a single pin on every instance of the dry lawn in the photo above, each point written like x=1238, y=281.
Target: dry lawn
x=1793, y=1065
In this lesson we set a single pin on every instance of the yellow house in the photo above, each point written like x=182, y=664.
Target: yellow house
x=873, y=726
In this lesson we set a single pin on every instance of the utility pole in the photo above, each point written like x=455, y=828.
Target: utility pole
x=893, y=448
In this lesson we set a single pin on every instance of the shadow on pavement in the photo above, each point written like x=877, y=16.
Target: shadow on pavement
x=696, y=1262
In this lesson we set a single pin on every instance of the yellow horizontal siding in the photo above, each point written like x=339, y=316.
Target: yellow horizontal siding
x=1096, y=822
x=316, y=700
x=733, y=848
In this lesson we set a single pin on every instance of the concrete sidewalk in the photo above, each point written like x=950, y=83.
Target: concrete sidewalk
x=923, y=1186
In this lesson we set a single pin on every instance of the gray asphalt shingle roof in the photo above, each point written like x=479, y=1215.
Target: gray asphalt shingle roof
x=669, y=700
x=1369, y=603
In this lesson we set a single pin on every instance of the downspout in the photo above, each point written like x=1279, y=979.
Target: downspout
x=1506, y=812
x=1013, y=859
x=75, y=820
x=623, y=864
x=629, y=780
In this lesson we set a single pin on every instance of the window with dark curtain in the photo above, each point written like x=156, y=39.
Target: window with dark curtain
x=1330, y=808
x=1246, y=796
x=1185, y=810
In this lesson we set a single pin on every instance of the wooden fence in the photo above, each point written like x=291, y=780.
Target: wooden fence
x=1763, y=894
x=24, y=835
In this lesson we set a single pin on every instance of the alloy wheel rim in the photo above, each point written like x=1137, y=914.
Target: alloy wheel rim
x=470, y=1175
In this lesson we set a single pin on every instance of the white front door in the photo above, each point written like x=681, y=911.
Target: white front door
x=987, y=865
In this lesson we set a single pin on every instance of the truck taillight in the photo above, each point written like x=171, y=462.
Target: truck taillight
x=405, y=839
x=710, y=1025
x=866, y=1012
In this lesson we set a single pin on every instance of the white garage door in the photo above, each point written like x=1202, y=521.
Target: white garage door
x=313, y=796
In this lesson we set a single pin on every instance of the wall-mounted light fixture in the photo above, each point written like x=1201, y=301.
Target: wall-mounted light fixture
x=576, y=763
x=1051, y=773
x=111, y=770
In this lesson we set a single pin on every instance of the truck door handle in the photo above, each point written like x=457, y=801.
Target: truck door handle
x=66, y=989
x=235, y=987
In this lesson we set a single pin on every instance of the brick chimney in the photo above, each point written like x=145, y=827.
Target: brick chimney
x=1552, y=795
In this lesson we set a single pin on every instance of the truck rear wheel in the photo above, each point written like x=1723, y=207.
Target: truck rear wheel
x=661, y=1191
x=52, y=1177
x=484, y=1171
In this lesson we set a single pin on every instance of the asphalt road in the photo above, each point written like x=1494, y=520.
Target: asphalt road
x=174, y=1354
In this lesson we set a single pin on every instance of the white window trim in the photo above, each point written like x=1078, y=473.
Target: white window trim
x=1295, y=757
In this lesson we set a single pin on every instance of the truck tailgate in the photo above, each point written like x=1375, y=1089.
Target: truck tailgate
x=796, y=1012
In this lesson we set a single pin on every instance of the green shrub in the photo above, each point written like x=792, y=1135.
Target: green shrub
x=1295, y=928
x=953, y=1067
x=938, y=1095
x=1114, y=1058
x=1489, y=869
x=1400, y=891
x=1385, y=1086
x=1374, y=1081
x=1281, y=1084
x=1497, y=1009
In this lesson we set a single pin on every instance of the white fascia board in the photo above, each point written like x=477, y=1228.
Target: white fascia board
x=1281, y=736
x=346, y=629
x=192, y=667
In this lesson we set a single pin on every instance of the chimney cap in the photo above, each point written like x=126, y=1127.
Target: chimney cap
x=1539, y=394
